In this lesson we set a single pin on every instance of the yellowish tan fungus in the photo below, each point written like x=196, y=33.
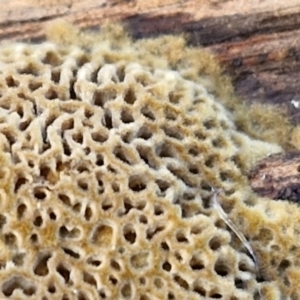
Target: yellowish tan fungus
x=109, y=149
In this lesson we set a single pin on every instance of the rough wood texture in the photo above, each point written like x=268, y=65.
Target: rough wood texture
x=258, y=41
x=278, y=177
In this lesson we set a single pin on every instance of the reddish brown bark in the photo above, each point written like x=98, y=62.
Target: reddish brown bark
x=278, y=177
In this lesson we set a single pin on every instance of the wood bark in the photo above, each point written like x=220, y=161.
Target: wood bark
x=257, y=41
x=278, y=177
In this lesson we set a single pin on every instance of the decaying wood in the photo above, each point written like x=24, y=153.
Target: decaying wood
x=258, y=41
x=278, y=177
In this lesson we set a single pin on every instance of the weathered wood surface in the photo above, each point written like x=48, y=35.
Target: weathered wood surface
x=278, y=177
x=258, y=41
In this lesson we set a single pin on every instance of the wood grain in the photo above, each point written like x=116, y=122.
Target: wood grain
x=278, y=177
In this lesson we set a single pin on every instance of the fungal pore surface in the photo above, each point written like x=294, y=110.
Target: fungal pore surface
x=108, y=151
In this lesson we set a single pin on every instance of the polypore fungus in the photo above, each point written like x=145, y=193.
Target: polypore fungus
x=108, y=151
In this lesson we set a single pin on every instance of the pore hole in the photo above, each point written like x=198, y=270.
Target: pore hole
x=99, y=137
x=41, y=267
x=51, y=58
x=20, y=181
x=284, y=264
x=158, y=283
x=94, y=262
x=173, y=132
x=144, y=133
x=130, y=96
x=88, y=213
x=18, y=282
x=115, y=265
x=136, y=183
x=19, y=259
x=10, y=239
x=180, y=281
x=88, y=278
x=165, y=150
x=221, y=268
x=103, y=235
x=166, y=266
x=38, y=221
x=139, y=260
x=113, y=280
x=120, y=153
x=215, y=243
x=21, y=210
x=107, y=119
x=126, y=116
x=148, y=113
x=39, y=193
x=181, y=238
x=63, y=272
x=126, y=291
x=65, y=199
x=129, y=233
x=66, y=233
x=196, y=262
x=71, y=253
x=2, y=221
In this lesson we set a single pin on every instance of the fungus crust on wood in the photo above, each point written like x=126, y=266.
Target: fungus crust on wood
x=108, y=150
